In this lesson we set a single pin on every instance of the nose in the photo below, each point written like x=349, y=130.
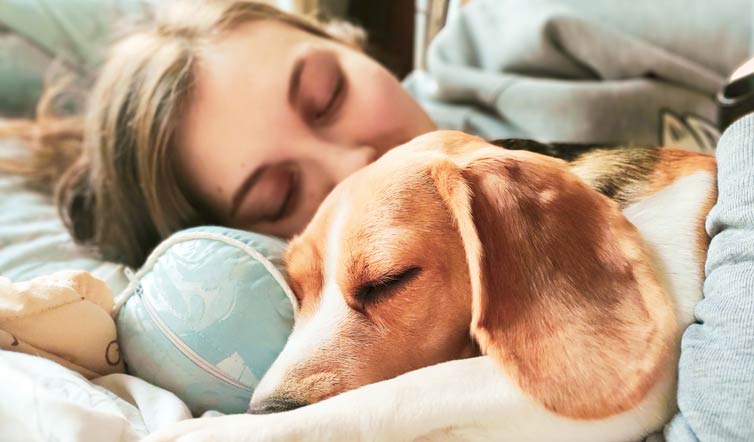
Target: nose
x=273, y=405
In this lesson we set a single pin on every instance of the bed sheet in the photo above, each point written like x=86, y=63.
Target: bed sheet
x=42, y=400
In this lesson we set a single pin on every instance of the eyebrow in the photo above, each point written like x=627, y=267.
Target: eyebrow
x=295, y=81
x=244, y=189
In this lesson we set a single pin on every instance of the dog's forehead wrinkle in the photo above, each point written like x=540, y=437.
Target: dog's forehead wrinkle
x=381, y=252
x=414, y=210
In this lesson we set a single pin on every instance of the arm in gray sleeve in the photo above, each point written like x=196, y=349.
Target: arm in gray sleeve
x=716, y=369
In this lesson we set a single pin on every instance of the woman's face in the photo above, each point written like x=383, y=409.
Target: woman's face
x=277, y=117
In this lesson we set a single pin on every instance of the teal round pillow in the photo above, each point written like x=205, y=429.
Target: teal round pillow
x=207, y=315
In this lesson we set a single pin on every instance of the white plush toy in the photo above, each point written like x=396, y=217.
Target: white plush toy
x=65, y=317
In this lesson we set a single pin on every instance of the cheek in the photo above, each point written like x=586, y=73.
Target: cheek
x=422, y=326
x=394, y=116
x=447, y=302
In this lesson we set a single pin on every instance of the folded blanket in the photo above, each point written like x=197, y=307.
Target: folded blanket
x=65, y=317
x=639, y=72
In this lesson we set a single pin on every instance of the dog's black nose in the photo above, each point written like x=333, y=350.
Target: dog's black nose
x=273, y=405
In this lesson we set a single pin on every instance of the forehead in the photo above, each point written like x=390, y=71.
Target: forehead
x=242, y=72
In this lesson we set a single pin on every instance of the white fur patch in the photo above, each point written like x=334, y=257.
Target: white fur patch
x=668, y=222
x=309, y=336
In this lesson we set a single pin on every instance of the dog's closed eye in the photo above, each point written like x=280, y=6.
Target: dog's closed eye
x=379, y=289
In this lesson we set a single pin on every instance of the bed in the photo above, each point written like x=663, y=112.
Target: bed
x=42, y=400
x=41, y=41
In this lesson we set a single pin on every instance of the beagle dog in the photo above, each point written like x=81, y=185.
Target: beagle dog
x=455, y=290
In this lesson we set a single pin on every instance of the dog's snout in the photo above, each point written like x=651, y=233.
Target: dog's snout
x=273, y=405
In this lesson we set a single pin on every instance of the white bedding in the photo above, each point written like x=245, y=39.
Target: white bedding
x=39, y=399
x=43, y=401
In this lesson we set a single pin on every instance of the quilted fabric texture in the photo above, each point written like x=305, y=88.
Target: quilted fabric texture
x=206, y=316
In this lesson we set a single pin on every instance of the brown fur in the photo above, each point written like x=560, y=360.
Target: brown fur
x=567, y=302
x=305, y=273
x=630, y=173
x=552, y=281
x=620, y=174
x=423, y=323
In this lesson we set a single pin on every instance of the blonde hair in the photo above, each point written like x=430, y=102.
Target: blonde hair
x=118, y=190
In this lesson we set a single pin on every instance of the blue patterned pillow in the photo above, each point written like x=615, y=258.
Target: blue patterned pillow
x=207, y=315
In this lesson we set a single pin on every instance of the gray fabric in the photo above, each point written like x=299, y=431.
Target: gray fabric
x=76, y=31
x=716, y=371
x=44, y=41
x=22, y=66
x=644, y=71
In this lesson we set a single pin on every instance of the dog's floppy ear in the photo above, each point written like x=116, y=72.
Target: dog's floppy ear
x=564, y=295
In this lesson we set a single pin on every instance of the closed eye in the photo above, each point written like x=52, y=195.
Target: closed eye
x=385, y=286
x=331, y=105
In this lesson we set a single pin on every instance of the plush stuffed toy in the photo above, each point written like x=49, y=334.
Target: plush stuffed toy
x=65, y=317
x=206, y=316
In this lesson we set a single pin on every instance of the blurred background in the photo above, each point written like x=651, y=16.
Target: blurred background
x=42, y=41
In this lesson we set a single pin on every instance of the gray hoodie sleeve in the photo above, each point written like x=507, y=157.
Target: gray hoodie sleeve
x=644, y=71
x=716, y=371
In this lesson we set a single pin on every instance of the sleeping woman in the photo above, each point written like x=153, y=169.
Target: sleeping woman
x=233, y=112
